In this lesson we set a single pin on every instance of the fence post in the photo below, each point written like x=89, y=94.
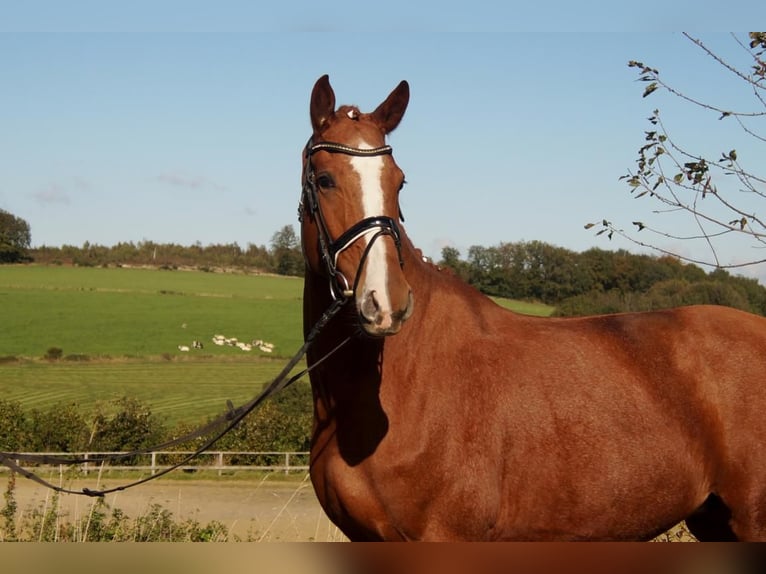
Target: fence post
x=154, y=463
x=220, y=463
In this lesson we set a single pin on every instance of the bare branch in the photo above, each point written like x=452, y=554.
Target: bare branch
x=608, y=228
x=716, y=194
x=721, y=61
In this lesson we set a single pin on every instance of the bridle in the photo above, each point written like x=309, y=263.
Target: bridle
x=331, y=249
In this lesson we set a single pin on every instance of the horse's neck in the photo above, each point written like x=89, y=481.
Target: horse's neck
x=350, y=385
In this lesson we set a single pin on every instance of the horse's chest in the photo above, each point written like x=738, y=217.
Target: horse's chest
x=368, y=500
x=354, y=499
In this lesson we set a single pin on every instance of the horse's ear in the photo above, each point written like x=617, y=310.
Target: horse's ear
x=322, y=103
x=390, y=113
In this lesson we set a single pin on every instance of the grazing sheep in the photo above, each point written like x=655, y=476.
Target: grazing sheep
x=183, y=348
x=221, y=340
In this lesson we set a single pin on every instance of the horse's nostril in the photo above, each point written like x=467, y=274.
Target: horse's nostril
x=371, y=308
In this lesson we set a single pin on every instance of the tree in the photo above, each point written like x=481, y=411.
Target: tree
x=718, y=194
x=285, y=250
x=451, y=258
x=15, y=238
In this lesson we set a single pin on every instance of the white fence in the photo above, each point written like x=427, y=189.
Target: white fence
x=221, y=461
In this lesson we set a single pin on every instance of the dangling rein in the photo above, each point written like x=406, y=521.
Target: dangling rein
x=228, y=420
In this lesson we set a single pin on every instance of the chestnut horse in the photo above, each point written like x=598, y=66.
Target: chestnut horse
x=446, y=417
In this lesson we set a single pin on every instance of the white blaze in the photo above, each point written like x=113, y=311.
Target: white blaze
x=370, y=170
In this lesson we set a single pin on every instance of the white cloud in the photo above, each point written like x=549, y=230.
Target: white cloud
x=62, y=191
x=53, y=193
x=195, y=182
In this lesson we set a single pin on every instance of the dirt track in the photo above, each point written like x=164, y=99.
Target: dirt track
x=255, y=510
x=263, y=510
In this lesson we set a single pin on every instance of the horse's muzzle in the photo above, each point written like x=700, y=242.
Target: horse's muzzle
x=378, y=319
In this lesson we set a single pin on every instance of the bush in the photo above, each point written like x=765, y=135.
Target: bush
x=125, y=424
x=662, y=295
x=283, y=423
x=62, y=428
x=131, y=425
x=593, y=303
x=13, y=432
x=53, y=353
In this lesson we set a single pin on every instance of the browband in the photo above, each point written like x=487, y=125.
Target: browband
x=341, y=148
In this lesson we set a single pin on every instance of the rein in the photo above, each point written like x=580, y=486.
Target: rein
x=228, y=421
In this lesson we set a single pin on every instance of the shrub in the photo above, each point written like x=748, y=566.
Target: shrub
x=54, y=353
x=9, y=511
x=61, y=428
x=282, y=423
x=13, y=435
x=130, y=426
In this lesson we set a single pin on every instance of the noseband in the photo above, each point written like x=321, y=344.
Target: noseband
x=331, y=249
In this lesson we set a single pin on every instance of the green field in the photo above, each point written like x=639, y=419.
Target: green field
x=121, y=312
x=187, y=391
x=525, y=307
x=119, y=330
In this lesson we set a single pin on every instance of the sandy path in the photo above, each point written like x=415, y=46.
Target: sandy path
x=267, y=510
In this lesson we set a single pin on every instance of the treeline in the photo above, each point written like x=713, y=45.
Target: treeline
x=589, y=282
x=281, y=424
x=282, y=257
x=599, y=281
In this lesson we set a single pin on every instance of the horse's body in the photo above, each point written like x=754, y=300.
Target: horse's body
x=470, y=422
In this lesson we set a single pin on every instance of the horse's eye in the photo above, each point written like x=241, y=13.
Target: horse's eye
x=325, y=181
x=401, y=185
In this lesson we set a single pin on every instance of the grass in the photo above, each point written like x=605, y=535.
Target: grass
x=128, y=324
x=124, y=325
x=142, y=313
x=188, y=391
x=525, y=307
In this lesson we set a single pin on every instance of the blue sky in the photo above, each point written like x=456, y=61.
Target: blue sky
x=184, y=122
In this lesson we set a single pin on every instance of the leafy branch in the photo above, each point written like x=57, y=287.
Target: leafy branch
x=716, y=194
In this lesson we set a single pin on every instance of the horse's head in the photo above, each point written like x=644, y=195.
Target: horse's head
x=350, y=207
